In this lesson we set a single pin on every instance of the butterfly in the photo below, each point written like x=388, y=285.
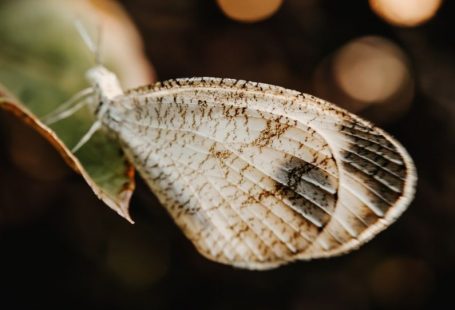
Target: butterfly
x=255, y=175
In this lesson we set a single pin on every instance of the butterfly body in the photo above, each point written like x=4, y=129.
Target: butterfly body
x=257, y=175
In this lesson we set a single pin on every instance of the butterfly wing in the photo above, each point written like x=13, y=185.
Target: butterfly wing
x=257, y=175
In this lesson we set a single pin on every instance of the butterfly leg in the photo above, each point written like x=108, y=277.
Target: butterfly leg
x=94, y=128
x=69, y=107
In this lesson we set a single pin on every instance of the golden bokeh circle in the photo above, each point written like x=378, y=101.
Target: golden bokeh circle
x=405, y=13
x=249, y=11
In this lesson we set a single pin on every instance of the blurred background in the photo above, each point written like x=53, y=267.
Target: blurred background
x=389, y=61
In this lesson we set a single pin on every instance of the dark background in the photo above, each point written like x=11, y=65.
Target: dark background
x=60, y=246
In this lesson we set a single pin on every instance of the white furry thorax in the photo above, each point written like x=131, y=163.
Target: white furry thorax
x=105, y=81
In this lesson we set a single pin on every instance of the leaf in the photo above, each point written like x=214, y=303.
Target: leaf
x=100, y=162
x=43, y=62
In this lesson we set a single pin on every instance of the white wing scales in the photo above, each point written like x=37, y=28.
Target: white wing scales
x=257, y=175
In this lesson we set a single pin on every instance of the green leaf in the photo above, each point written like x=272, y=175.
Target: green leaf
x=42, y=63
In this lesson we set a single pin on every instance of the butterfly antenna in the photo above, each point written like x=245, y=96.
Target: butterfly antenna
x=98, y=44
x=88, y=40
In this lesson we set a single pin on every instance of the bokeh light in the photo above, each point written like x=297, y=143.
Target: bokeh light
x=407, y=13
x=370, y=69
x=368, y=73
x=249, y=10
